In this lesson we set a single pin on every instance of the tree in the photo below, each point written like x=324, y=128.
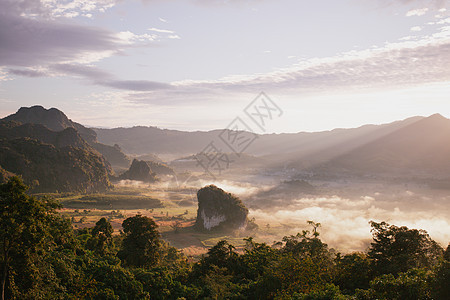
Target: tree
x=353, y=271
x=101, y=240
x=440, y=281
x=141, y=244
x=24, y=224
x=413, y=284
x=398, y=249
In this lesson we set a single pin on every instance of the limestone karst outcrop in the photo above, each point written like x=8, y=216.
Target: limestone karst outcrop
x=219, y=210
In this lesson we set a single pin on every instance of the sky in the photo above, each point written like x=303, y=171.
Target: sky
x=198, y=64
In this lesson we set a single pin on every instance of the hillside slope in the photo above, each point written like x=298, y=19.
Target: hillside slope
x=52, y=161
x=421, y=149
x=56, y=120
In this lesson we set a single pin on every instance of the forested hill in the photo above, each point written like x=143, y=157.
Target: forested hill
x=51, y=161
x=56, y=120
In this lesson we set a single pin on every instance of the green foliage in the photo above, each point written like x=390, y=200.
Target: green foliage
x=352, y=272
x=398, y=249
x=25, y=223
x=101, y=241
x=327, y=292
x=413, y=284
x=67, y=169
x=213, y=201
x=141, y=244
x=111, y=201
x=44, y=258
x=440, y=281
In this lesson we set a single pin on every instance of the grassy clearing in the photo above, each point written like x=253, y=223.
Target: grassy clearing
x=104, y=201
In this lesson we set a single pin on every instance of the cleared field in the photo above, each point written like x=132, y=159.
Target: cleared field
x=174, y=210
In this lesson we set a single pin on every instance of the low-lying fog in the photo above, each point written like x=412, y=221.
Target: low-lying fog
x=344, y=213
x=345, y=220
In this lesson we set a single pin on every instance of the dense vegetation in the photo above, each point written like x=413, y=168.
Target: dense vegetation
x=52, y=161
x=42, y=257
x=214, y=203
x=56, y=121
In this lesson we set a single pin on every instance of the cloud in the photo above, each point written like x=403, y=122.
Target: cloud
x=354, y=214
x=416, y=28
x=163, y=20
x=28, y=41
x=81, y=70
x=410, y=62
x=436, y=4
x=94, y=75
x=29, y=36
x=135, y=85
x=417, y=12
x=75, y=8
x=99, y=77
x=27, y=72
x=160, y=30
x=130, y=38
x=396, y=64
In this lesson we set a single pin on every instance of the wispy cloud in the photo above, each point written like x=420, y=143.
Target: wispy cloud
x=75, y=8
x=161, y=30
x=28, y=72
x=99, y=77
x=59, y=48
x=395, y=65
x=31, y=37
x=27, y=42
x=417, y=12
x=130, y=38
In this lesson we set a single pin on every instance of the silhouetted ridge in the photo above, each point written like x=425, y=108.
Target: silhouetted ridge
x=420, y=149
x=56, y=120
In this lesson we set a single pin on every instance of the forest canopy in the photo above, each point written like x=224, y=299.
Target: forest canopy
x=43, y=257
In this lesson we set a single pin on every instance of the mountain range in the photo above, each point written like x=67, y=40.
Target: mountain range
x=414, y=147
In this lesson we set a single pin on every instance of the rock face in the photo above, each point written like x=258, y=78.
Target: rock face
x=219, y=210
x=139, y=170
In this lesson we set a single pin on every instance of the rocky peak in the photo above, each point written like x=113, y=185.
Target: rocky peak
x=139, y=170
x=219, y=210
x=53, y=119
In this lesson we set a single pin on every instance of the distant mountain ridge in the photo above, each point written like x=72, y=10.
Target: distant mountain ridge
x=421, y=149
x=143, y=140
x=416, y=146
x=56, y=120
